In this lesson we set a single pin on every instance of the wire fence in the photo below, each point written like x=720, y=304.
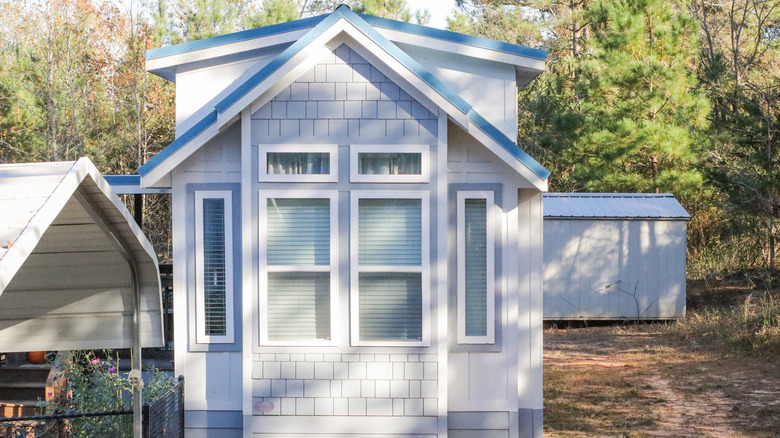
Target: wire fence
x=63, y=425
x=162, y=418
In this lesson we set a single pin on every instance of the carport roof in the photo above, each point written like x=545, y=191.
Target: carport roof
x=69, y=255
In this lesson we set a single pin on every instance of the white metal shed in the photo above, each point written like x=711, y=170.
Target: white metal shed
x=76, y=272
x=614, y=256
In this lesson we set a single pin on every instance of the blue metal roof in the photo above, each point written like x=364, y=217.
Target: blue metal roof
x=485, y=43
x=327, y=21
x=231, y=38
x=613, y=206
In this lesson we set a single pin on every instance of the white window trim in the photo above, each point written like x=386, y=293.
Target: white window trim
x=200, y=305
x=423, y=150
x=264, y=176
x=264, y=268
x=490, y=210
x=356, y=269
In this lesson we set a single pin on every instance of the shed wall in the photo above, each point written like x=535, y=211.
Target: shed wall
x=614, y=269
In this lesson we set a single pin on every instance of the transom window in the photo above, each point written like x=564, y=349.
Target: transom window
x=301, y=163
x=389, y=163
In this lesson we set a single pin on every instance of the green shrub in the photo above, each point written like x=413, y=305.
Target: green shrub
x=91, y=384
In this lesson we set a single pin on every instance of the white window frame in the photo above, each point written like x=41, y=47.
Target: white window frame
x=264, y=149
x=200, y=300
x=423, y=150
x=356, y=269
x=264, y=268
x=490, y=296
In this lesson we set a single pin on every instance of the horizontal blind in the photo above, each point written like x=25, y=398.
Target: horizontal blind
x=476, y=266
x=390, y=232
x=298, y=305
x=298, y=231
x=390, y=306
x=214, y=265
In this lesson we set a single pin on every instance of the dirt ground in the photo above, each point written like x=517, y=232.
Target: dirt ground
x=638, y=381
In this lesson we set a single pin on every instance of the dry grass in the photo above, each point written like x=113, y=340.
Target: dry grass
x=715, y=374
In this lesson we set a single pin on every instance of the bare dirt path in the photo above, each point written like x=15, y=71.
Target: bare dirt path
x=637, y=381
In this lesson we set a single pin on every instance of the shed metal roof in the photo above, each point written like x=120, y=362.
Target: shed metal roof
x=613, y=206
x=67, y=244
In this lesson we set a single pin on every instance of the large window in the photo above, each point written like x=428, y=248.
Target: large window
x=214, y=266
x=390, y=273
x=476, y=268
x=297, y=267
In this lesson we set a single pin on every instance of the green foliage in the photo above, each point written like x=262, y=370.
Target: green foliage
x=275, y=11
x=92, y=384
x=641, y=113
x=393, y=9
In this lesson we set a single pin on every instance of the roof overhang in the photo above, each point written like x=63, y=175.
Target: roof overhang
x=341, y=25
x=74, y=266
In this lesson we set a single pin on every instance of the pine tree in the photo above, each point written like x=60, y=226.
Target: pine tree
x=642, y=115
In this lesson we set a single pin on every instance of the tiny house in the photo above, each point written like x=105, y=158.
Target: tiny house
x=357, y=238
x=614, y=256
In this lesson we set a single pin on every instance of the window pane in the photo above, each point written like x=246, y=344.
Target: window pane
x=298, y=305
x=386, y=163
x=390, y=306
x=298, y=231
x=214, y=286
x=390, y=232
x=298, y=163
x=476, y=266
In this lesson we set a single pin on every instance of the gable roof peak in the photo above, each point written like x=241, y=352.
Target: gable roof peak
x=341, y=23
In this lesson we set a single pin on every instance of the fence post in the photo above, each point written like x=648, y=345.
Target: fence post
x=145, y=421
x=181, y=406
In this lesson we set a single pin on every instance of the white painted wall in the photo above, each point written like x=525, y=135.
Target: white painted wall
x=489, y=86
x=642, y=262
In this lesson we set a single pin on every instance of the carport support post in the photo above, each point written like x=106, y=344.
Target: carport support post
x=136, y=353
x=135, y=343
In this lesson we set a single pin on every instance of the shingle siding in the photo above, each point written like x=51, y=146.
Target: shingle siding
x=343, y=96
x=346, y=384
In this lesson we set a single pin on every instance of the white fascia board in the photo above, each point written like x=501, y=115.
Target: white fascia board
x=507, y=157
x=158, y=176
x=367, y=48
x=167, y=62
x=460, y=49
x=295, y=67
